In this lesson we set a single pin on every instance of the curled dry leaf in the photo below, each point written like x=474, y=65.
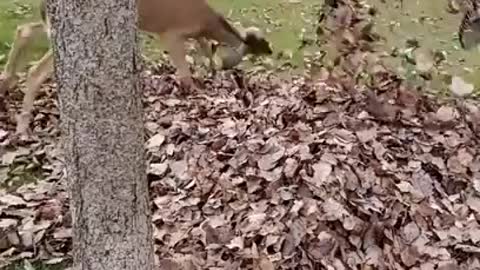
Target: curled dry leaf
x=158, y=169
x=264, y=264
x=11, y=200
x=460, y=88
x=269, y=161
x=446, y=114
x=156, y=141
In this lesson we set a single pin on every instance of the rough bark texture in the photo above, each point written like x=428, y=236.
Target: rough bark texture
x=95, y=50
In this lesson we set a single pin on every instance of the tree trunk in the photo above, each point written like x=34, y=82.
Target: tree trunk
x=96, y=70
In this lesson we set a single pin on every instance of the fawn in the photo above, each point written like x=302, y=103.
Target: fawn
x=173, y=21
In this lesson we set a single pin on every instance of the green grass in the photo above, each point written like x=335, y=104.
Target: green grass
x=13, y=13
x=434, y=28
x=35, y=266
x=286, y=21
x=283, y=22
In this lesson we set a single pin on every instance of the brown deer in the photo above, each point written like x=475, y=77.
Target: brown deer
x=173, y=21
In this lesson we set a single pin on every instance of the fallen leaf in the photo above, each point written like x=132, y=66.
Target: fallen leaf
x=11, y=200
x=156, y=141
x=460, y=88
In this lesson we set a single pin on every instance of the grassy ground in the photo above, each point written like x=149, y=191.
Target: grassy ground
x=434, y=28
x=13, y=13
x=287, y=20
x=35, y=266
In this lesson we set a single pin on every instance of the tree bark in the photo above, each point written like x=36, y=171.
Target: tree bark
x=96, y=70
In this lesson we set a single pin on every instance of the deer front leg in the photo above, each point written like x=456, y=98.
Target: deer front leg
x=176, y=47
x=24, y=35
x=35, y=78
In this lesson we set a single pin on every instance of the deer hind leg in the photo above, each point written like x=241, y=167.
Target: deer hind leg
x=233, y=57
x=208, y=51
x=37, y=75
x=24, y=35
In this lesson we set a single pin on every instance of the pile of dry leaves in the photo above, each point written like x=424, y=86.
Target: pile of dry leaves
x=327, y=171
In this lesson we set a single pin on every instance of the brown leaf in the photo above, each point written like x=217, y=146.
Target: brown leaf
x=158, y=169
x=322, y=171
x=367, y=135
x=269, y=161
x=264, y=264
x=410, y=232
x=446, y=114
x=11, y=200
x=155, y=141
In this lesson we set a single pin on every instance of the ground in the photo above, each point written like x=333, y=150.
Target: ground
x=354, y=165
x=288, y=22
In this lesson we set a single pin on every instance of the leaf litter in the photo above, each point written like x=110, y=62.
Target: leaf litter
x=256, y=171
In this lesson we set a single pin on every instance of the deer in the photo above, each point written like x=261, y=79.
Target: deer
x=174, y=22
